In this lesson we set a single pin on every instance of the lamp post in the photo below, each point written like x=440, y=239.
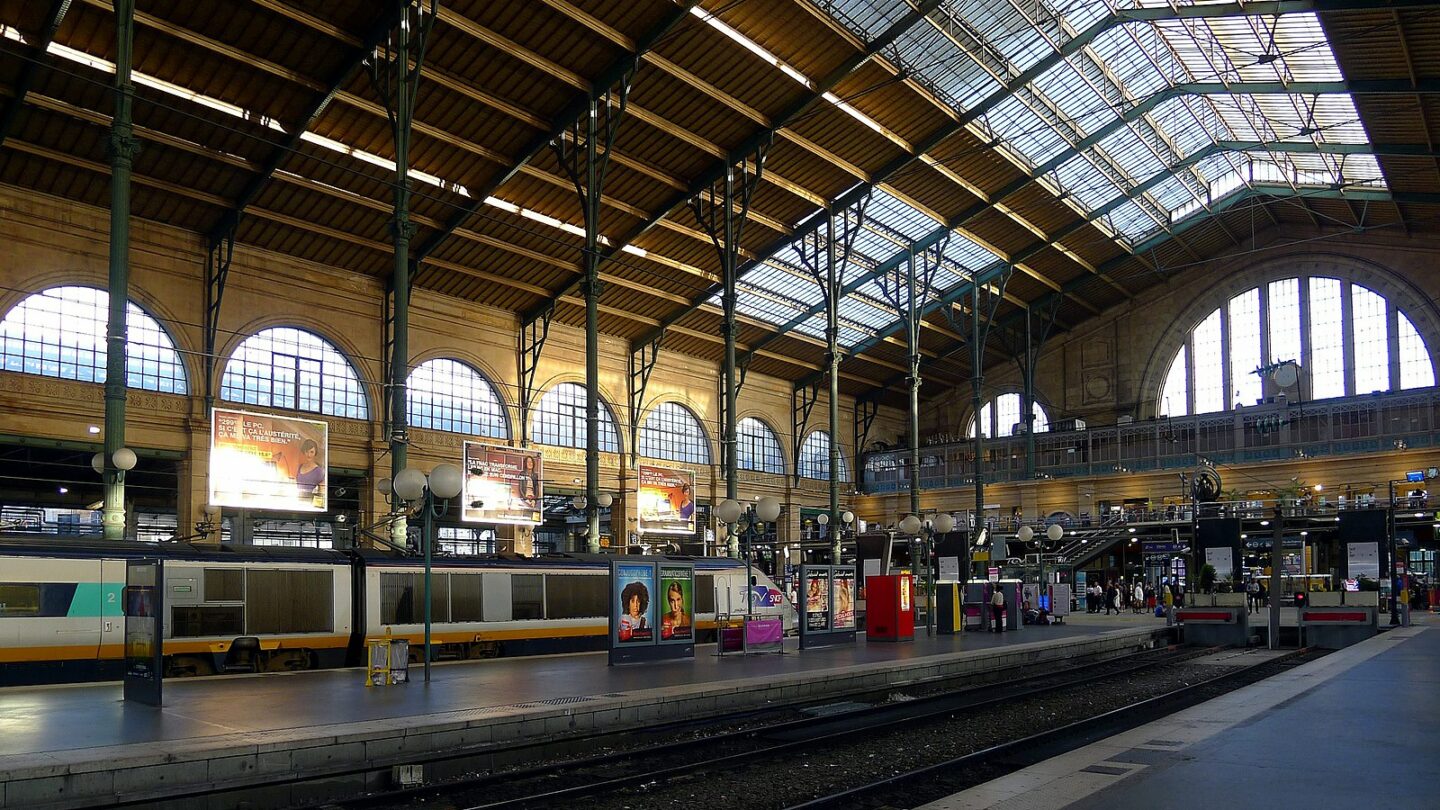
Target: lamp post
x=1390, y=543
x=124, y=460
x=582, y=504
x=942, y=523
x=443, y=483
x=730, y=512
x=912, y=525
x=1054, y=533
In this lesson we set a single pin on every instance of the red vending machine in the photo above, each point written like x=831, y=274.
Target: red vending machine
x=889, y=608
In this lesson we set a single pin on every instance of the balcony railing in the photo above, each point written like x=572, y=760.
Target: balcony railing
x=1258, y=434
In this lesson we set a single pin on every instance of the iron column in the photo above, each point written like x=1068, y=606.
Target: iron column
x=832, y=344
x=122, y=147
x=592, y=336
x=728, y=257
x=977, y=380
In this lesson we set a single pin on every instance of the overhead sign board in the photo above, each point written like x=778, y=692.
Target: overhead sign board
x=264, y=461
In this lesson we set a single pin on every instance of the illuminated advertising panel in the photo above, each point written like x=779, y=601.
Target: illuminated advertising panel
x=264, y=461
x=502, y=485
x=665, y=501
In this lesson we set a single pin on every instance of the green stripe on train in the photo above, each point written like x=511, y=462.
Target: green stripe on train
x=96, y=599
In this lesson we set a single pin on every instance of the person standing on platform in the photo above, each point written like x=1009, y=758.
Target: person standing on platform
x=1137, y=599
x=997, y=610
x=1252, y=595
x=1169, y=607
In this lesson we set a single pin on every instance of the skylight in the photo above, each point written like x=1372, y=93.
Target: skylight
x=967, y=52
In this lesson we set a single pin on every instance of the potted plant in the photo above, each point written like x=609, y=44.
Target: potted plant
x=1207, y=578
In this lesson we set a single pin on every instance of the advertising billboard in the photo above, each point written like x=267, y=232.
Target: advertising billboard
x=502, y=485
x=665, y=501
x=817, y=599
x=844, y=599
x=263, y=461
x=677, y=603
x=634, y=585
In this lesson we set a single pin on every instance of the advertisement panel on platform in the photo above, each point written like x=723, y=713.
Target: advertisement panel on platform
x=665, y=501
x=635, y=601
x=677, y=592
x=817, y=599
x=502, y=485
x=263, y=461
x=1363, y=560
x=844, y=599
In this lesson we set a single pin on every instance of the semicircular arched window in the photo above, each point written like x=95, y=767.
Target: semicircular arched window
x=284, y=367
x=444, y=394
x=756, y=447
x=1001, y=417
x=60, y=332
x=559, y=419
x=814, y=461
x=1343, y=338
x=673, y=433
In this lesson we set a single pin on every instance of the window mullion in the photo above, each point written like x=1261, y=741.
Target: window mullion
x=1392, y=340
x=1227, y=377
x=1347, y=336
x=1307, y=367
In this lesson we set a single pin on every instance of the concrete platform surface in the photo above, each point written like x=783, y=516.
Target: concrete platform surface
x=1357, y=728
x=67, y=746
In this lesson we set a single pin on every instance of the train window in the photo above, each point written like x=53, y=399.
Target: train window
x=575, y=596
x=224, y=584
x=207, y=620
x=289, y=601
x=19, y=599
x=704, y=593
x=402, y=598
x=465, y=601
x=527, y=596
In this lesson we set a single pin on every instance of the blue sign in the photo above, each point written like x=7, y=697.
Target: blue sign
x=1415, y=476
x=766, y=596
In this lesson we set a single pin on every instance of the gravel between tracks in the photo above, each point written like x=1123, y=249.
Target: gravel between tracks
x=803, y=776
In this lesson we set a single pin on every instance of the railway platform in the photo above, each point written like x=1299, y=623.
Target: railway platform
x=1358, y=727
x=75, y=746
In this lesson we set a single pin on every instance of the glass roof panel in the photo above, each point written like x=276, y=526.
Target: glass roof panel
x=967, y=48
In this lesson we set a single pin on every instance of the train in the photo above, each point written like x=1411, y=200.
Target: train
x=238, y=608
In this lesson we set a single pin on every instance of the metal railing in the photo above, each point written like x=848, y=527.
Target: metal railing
x=1271, y=432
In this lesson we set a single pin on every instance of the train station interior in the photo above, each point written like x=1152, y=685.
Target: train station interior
x=1108, y=303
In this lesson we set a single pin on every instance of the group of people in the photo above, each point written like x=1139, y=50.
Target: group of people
x=1117, y=596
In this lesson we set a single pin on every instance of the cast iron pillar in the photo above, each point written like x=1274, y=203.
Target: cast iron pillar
x=715, y=211
x=592, y=289
x=395, y=72
x=832, y=348
x=977, y=385
x=122, y=147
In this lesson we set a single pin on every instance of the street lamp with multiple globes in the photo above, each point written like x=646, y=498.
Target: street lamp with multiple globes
x=581, y=504
x=410, y=485
x=765, y=510
x=838, y=536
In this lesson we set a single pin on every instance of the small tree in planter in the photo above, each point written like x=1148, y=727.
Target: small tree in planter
x=1207, y=578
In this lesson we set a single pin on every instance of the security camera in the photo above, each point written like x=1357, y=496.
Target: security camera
x=477, y=504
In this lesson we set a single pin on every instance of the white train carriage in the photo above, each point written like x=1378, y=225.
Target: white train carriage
x=258, y=609
x=251, y=609
x=485, y=607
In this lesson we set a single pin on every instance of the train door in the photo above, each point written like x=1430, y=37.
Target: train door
x=112, y=610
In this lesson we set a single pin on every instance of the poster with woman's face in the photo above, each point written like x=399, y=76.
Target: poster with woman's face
x=845, y=599
x=817, y=599
x=635, y=603
x=262, y=461
x=677, y=603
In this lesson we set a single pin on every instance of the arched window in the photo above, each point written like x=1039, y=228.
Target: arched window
x=1315, y=322
x=1001, y=417
x=559, y=419
x=60, y=332
x=672, y=432
x=756, y=447
x=814, y=461
x=290, y=368
x=449, y=395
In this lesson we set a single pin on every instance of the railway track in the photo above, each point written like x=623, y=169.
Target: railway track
x=584, y=779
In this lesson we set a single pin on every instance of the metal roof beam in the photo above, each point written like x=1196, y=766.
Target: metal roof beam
x=577, y=107
x=741, y=152
x=341, y=77
x=53, y=18
x=1072, y=46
